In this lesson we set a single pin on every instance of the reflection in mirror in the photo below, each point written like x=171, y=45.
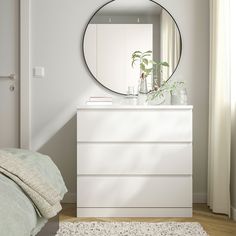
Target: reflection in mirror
x=119, y=29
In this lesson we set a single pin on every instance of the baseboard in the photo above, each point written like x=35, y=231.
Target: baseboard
x=199, y=198
x=69, y=198
x=233, y=213
x=134, y=212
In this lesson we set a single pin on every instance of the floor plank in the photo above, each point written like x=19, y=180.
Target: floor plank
x=214, y=224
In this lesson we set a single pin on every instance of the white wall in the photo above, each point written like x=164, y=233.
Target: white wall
x=57, y=29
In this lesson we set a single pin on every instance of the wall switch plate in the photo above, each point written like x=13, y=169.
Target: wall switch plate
x=38, y=72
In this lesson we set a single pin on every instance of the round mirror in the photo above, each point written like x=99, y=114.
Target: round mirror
x=125, y=40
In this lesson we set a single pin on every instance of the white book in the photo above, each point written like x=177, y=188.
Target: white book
x=93, y=103
x=100, y=99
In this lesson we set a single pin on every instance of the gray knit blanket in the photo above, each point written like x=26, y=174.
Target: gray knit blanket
x=45, y=197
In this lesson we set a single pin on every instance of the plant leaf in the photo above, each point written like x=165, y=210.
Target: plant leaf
x=148, y=71
x=136, y=55
x=145, y=61
x=149, y=51
x=153, y=62
x=142, y=67
x=164, y=64
x=146, y=54
x=137, y=52
x=134, y=62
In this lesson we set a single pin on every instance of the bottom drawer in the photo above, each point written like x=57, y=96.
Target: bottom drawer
x=134, y=191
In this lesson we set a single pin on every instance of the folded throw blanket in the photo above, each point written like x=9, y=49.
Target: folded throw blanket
x=44, y=196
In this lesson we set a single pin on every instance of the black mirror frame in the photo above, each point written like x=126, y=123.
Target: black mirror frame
x=84, y=38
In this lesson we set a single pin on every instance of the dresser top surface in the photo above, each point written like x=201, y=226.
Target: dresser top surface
x=135, y=107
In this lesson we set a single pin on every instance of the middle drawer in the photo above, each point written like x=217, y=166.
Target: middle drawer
x=134, y=158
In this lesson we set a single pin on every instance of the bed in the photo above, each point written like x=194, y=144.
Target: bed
x=20, y=211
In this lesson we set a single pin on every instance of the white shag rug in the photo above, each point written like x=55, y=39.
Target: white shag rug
x=130, y=229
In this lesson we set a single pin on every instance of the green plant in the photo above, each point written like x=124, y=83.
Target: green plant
x=145, y=63
x=166, y=86
x=147, y=66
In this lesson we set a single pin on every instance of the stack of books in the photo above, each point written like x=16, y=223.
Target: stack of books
x=100, y=101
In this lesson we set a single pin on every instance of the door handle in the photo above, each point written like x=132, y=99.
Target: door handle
x=11, y=76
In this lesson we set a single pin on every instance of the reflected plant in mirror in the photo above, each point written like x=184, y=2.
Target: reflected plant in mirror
x=146, y=66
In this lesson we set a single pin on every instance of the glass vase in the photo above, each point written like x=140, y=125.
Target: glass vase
x=179, y=97
x=143, y=85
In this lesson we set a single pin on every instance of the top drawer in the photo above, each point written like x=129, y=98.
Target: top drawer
x=117, y=125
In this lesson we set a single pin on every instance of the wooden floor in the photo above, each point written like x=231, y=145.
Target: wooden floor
x=214, y=224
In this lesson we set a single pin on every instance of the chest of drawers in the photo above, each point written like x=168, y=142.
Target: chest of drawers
x=134, y=161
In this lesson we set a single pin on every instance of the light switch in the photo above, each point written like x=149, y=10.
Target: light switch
x=38, y=72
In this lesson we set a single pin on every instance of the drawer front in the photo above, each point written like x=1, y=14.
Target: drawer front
x=134, y=158
x=134, y=125
x=163, y=191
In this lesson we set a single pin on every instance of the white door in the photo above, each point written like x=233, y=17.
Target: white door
x=9, y=64
x=115, y=58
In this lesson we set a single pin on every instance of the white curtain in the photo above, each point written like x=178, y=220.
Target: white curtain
x=220, y=108
x=233, y=106
x=170, y=44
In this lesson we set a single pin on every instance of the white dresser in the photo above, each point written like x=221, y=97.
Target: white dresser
x=134, y=161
